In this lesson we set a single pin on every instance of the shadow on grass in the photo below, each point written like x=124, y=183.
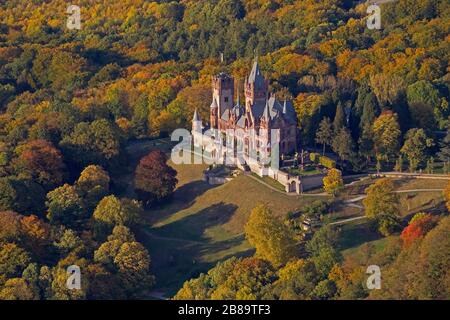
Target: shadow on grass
x=355, y=234
x=180, y=251
x=183, y=198
x=193, y=226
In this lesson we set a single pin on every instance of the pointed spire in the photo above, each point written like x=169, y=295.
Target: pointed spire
x=196, y=116
x=285, y=106
x=214, y=104
x=255, y=74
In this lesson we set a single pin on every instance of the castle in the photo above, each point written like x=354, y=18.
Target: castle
x=250, y=125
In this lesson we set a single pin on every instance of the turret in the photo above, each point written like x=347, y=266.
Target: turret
x=256, y=87
x=223, y=95
x=214, y=114
x=196, y=122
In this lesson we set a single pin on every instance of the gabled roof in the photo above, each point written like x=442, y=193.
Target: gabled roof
x=258, y=108
x=289, y=112
x=273, y=109
x=225, y=115
x=241, y=122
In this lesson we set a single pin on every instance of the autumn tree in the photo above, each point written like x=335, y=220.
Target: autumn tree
x=13, y=260
x=418, y=227
x=296, y=281
x=447, y=196
x=154, y=179
x=386, y=131
x=65, y=206
x=93, y=184
x=17, y=289
x=381, y=205
x=420, y=270
x=271, y=238
x=42, y=161
x=333, y=181
x=128, y=259
x=111, y=211
x=97, y=142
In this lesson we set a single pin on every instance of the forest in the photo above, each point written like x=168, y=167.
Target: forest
x=72, y=100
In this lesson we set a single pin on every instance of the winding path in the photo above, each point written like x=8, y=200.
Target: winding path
x=351, y=203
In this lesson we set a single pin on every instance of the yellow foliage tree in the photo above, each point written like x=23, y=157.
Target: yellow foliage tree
x=447, y=195
x=271, y=238
x=333, y=182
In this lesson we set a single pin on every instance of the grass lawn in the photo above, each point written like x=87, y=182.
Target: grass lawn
x=420, y=201
x=356, y=233
x=270, y=182
x=365, y=251
x=203, y=224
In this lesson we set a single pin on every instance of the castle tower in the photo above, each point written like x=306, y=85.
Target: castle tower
x=256, y=87
x=223, y=97
x=196, y=122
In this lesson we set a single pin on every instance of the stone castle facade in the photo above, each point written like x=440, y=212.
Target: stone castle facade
x=253, y=121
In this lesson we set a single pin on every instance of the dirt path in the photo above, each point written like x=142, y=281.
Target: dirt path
x=347, y=220
x=352, y=203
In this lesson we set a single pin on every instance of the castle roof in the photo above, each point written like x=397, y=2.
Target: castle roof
x=196, y=116
x=225, y=115
x=289, y=112
x=214, y=104
x=238, y=110
x=241, y=121
x=256, y=76
x=271, y=109
x=266, y=113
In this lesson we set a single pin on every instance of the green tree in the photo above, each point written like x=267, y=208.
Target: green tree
x=343, y=144
x=111, y=212
x=339, y=119
x=381, y=205
x=324, y=290
x=65, y=207
x=324, y=134
x=444, y=152
x=13, y=260
x=98, y=143
x=415, y=147
x=93, y=184
x=370, y=111
x=366, y=143
x=296, y=281
x=23, y=196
